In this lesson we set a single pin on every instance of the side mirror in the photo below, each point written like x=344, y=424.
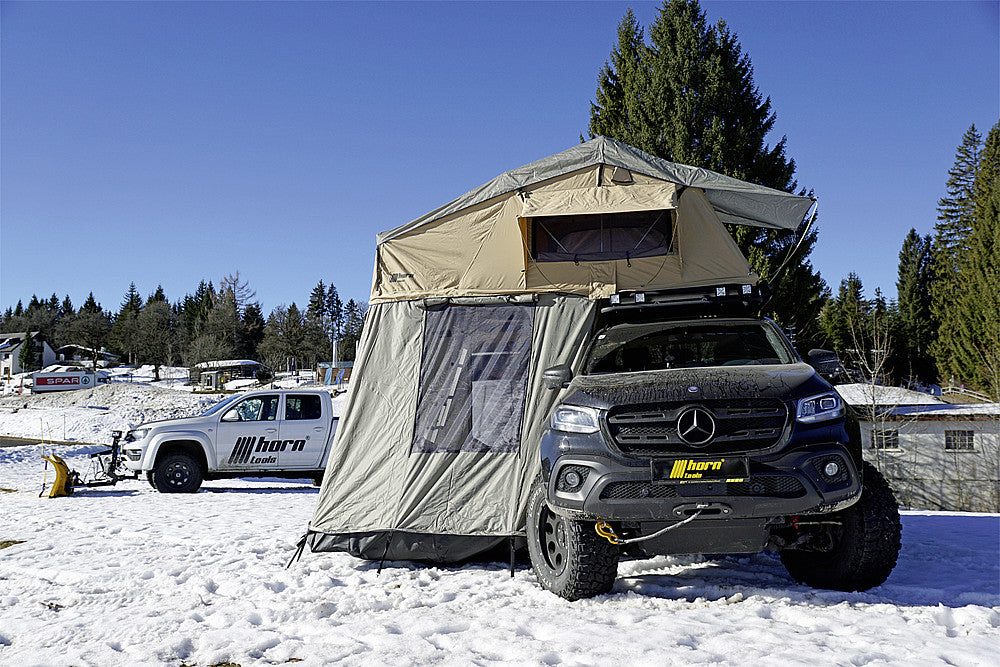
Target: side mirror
x=231, y=416
x=557, y=377
x=826, y=363
x=818, y=357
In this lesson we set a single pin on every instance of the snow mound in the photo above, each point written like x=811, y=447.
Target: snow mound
x=116, y=394
x=90, y=415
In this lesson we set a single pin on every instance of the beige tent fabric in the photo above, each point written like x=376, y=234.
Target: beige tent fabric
x=600, y=199
x=708, y=254
x=483, y=250
x=373, y=481
x=735, y=201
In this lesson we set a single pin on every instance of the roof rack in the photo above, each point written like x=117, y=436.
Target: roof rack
x=727, y=299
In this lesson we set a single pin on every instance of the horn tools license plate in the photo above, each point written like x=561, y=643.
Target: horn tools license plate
x=727, y=468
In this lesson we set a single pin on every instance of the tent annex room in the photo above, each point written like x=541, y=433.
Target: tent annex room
x=436, y=449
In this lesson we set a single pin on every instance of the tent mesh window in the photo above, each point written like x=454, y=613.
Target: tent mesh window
x=601, y=237
x=473, y=379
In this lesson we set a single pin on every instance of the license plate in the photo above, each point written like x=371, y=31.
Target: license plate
x=725, y=468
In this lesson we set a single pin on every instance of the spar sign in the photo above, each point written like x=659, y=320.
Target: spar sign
x=62, y=381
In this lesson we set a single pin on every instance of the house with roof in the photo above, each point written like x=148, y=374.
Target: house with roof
x=11, y=345
x=214, y=374
x=938, y=456
x=82, y=355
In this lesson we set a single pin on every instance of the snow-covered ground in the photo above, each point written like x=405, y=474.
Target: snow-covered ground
x=126, y=576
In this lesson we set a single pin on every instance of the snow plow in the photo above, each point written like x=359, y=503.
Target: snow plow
x=107, y=469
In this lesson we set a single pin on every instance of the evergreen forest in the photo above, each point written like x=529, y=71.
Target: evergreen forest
x=214, y=322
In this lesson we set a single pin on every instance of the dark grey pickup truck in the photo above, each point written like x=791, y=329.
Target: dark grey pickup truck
x=688, y=429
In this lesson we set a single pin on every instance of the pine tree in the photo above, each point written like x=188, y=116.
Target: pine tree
x=28, y=358
x=317, y=308
x=90, y=306
x=125, y=330
x=158, y=295
x=977, y=323
x=131, y=302
x=914, y=322
x=335, y=308
x=253, y=327
x=951, y=233
x=354, y=319
x=689, y=97
x=318, y=326
x=844, y=313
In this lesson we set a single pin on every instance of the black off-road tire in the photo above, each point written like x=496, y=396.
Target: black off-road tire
x=865, y=547
x=177, y=473
x=149, y=478
x=569, y=558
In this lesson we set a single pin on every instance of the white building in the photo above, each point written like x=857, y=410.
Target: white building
x=940, y=457
x=10, y=352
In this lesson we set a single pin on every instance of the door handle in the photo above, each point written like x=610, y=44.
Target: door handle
x=319, y=428
x=270, y=430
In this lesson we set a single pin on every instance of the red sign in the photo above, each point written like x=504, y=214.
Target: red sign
x=50, y=381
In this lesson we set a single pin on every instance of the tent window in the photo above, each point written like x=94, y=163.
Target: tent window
x=602, y=236
x=473, y=379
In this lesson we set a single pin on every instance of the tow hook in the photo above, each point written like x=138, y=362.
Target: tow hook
x=605, y=530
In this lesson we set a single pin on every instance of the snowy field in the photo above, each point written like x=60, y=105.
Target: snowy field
x=126, y=576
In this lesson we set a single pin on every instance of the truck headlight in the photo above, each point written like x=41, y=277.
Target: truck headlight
x=819, y=408
x=575, y=419
x=136, y=435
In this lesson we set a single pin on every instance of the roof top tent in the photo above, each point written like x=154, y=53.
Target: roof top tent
x=437, y=449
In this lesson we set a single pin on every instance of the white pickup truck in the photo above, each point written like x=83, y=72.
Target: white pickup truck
x=276, y=433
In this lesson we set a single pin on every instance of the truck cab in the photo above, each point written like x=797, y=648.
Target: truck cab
x=276, y=433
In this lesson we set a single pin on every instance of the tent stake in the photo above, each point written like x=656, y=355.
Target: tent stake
x=381, y=561
x=511, y=540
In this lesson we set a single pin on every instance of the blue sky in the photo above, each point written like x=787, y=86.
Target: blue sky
x=166, y=143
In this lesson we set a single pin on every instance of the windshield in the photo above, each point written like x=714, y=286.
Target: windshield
x=221, y=405
x=628, y=348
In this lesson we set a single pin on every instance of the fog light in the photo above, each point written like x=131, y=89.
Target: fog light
x=572, y=479
x=831, y=469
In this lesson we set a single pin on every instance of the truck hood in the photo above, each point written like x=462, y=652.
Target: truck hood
x=178, y=423
x=785, y=382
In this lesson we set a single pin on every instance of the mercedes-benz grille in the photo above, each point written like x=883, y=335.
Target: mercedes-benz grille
x=740, y=425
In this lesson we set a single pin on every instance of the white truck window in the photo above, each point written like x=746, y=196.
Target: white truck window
x=258, y=408
x=303, y=406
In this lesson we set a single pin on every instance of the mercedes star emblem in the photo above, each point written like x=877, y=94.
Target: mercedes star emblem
x=695, y=426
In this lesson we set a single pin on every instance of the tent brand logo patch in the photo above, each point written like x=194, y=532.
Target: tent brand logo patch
x=247, y=446
x=399, y=277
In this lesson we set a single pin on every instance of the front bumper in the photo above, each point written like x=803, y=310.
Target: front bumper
x=784, y=484
x=132, y=457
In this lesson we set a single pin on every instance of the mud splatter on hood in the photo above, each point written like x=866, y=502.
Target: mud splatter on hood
x=787, y=382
